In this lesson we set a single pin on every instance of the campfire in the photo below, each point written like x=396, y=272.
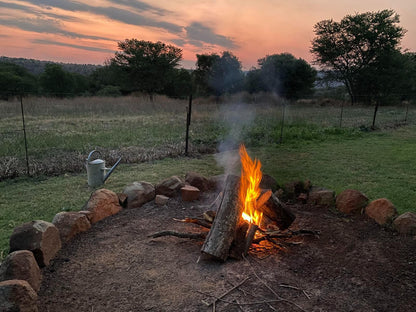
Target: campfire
x=242, y=212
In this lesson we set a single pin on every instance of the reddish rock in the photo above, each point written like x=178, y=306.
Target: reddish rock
x=102, y=203
x=139, y=193
x=17, y=295
x=199, y=181
x=21, y=265
x=406, y=223
x=169, y=187
x=381, y=210
x=161, y=200
x=189, y=193
x=351, y=201
x=321, y=196
x=40, y=237
x=70, y=224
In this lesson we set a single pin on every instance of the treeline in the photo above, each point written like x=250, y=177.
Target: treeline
x=37, y=67
x=152, y=68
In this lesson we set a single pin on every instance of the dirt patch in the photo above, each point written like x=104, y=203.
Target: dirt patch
x=354, y=265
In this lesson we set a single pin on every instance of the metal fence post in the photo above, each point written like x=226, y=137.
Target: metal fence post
x=188, y=123
x=24, y=135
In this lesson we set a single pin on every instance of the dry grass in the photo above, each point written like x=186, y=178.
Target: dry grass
x=61, y=132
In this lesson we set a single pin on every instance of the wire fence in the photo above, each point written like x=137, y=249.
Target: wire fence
x=45, y=135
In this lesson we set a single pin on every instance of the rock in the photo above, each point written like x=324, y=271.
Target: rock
x=303, y=197
x=199, y=181
x=268, y=183
x=406, y=223
x=21, y=265
x=122, y=199
x=293, y=189
x=161, y=200
x=17, y=295
x=217, y=182
x=189, y=193
x=351, y=201
x=139, y=193
x=321, y=196
x=169, y=187
x=70, y=224
x=307, y=185
x=102, y=203
x=381, y=210
x=40, y=237
x=87, y=213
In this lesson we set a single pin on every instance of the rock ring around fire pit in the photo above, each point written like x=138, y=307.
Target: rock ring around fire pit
x=354, y=265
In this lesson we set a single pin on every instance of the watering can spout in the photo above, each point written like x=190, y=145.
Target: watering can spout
x=111, y=170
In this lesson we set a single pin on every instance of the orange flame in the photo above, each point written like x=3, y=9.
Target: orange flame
x=250, y=187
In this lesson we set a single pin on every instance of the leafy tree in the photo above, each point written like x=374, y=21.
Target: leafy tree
x=218, y=74
x=148, y=65
x=360, y=41
x=179, y=84
x=202, y=74
x=55, y=81
x=287, y=76
x=108, y=75
x=15, y=80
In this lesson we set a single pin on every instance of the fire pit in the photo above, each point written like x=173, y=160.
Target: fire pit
x=243, y=212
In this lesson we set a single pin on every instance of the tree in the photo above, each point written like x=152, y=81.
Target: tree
x=55, y=81
x=287, y=76
x=218, y=75
x=353, y=45
x=148, y=65
x=179, y=84
x=15, y=80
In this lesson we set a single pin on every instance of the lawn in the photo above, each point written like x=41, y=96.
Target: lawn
x=379, y=163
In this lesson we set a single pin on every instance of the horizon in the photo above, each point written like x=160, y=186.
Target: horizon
x=77, y=32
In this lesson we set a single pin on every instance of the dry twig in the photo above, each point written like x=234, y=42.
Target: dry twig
x=178, y=234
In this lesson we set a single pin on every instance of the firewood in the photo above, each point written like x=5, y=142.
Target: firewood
x=209, y=216
x=238, y=245
x=276, y=212
x=221, y=235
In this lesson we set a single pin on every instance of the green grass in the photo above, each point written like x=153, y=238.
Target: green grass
x=380, y=164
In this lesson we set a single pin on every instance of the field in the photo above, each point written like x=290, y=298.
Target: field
x=150, y=138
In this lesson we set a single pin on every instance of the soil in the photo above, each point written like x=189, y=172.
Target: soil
x=352, y=265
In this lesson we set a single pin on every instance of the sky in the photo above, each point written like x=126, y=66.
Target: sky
x=87, y=31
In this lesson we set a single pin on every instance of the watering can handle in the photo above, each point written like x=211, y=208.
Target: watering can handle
x=92, y=152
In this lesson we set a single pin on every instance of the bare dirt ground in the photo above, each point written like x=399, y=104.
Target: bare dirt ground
x=353, y=265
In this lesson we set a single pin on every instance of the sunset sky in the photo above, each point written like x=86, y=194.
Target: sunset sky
x=88, y=31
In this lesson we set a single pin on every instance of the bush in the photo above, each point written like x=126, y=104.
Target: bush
x=109, y=91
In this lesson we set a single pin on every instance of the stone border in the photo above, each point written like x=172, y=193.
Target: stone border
x=34, y=244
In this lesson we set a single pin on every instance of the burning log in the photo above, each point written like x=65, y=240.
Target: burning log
x=223, y=230
x=275, y=212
